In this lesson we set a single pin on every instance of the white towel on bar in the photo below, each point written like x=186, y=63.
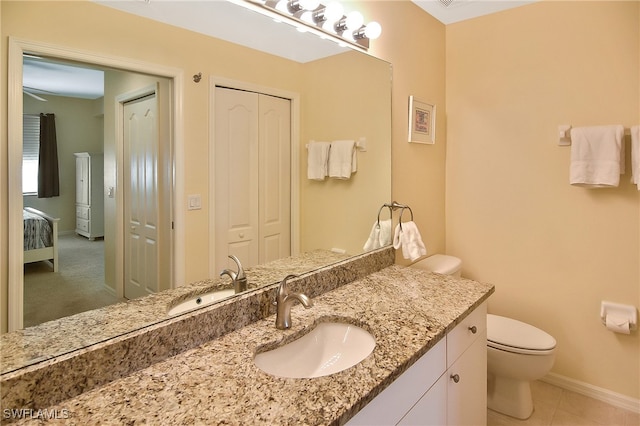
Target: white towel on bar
x=597, y=156
x=380, y=235
x=635, y=156
x=408, y=237
x=342, y=159
x=317, y=160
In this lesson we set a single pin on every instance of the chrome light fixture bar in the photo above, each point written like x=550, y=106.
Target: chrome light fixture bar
x=326, y=21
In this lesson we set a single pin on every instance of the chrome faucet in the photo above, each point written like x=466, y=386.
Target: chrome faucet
x=284, y=300
x=239, y=279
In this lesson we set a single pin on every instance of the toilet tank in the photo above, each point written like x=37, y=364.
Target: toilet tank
x=440, y=263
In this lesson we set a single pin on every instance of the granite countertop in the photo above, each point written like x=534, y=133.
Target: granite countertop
x=407, y=310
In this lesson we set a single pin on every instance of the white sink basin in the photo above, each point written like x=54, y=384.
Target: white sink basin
x=200, y=301
x=329, y=348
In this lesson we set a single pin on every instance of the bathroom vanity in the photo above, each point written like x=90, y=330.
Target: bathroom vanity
x=420, y=321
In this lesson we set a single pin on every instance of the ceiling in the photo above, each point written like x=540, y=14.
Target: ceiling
x=452, y=11
x=225, y=20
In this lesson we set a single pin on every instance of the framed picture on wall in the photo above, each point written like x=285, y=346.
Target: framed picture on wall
x=422, y=122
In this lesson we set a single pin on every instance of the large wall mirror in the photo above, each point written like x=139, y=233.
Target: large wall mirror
x=341, y=94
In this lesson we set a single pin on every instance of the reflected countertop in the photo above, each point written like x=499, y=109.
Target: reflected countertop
x=48, y=340
x=407, y=310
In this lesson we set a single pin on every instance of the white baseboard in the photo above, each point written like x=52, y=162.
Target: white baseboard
x=595, y=392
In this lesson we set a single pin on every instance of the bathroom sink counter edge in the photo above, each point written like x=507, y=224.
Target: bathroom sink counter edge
x=407, y=310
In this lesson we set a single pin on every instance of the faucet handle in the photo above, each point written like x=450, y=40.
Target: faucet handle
x=240, y=275
x=282, y=288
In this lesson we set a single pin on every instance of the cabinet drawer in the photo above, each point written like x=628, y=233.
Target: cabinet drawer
x=82, y=225
x=465, y=333
x=83, y=212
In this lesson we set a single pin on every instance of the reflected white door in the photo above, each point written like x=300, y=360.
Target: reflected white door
x=252, y=177
x=141, y=207
x=274, y=189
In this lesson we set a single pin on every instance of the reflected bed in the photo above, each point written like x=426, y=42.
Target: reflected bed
x=40, y=237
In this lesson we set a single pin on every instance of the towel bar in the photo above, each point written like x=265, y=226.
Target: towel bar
x=564, y=134
x=394, y=206
x=361, y=144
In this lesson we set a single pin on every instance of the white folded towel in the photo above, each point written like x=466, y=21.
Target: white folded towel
x=342, y=159
x=408, y=237
x=380, y=235
x=597, y=156
x=317, y=160
x=635, y=155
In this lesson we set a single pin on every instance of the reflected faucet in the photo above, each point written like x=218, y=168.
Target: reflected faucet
x=284, y=300
x=239, y=279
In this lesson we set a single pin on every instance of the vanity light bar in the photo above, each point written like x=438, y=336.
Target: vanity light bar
x=328, y=21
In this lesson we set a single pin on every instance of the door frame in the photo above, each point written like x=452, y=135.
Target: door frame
x=18, y=47
x=294, y=98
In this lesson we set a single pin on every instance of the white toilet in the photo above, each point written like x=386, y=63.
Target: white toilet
x=517, y=352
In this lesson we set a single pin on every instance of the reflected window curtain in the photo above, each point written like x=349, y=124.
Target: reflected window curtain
x=48, y=176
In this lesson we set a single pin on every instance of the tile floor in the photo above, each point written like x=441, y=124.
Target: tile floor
x=554, y=406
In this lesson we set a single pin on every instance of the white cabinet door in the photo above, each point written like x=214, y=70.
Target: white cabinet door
x=467, y=386
x=82, y=180
x=396, y=400
x=431, y=410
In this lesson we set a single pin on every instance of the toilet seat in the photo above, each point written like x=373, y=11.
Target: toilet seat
x=511, y=335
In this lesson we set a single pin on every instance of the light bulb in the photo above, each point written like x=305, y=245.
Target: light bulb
x=354, y=20
x=373, y=30
x=283, y=6
x=333, y=11
x=309, y=4
x=307, y=17
x=328, y=27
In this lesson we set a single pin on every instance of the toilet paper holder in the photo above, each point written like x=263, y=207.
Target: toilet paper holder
x=619, y=310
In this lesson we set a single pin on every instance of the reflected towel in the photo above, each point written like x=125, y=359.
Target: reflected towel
x=380, y=235
x=635, y=155
x=597, y=156
x=342, y=159
x=408, y=237
x=317, y=160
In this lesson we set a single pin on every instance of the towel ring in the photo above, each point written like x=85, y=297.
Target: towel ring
x=402, y=212
x=380, y=211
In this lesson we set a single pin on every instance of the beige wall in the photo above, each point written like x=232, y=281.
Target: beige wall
x=553, y=251
x=332, y=113
x=414, y=43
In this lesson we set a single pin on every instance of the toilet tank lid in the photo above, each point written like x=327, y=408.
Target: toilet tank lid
x=440, y=263
x=517, y=334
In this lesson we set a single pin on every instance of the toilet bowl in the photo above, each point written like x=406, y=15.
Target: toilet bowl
x=517, y=353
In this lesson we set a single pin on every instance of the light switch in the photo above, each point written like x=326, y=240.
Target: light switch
x=194, y=202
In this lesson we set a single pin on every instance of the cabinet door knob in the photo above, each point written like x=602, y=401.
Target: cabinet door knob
x=473, y=329
x=455, y=378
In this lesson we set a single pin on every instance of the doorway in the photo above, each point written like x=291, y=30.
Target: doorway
x=17, y=48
